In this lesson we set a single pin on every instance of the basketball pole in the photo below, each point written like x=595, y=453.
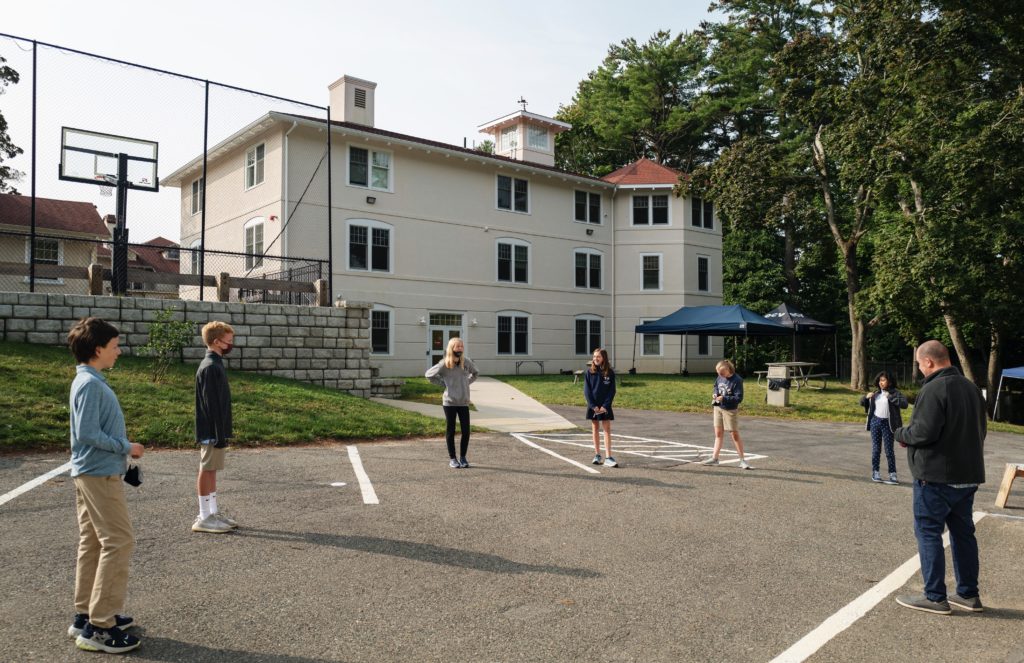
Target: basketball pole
x=119, y=275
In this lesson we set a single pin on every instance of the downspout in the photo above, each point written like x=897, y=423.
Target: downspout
x=611, y=226
x=285, y=213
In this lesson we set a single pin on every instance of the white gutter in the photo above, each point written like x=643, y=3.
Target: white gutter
x=286, y=210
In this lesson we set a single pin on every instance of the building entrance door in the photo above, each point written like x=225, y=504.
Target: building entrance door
x=443, y=327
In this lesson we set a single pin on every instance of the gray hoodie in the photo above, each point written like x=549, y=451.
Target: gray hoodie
x=455, y=381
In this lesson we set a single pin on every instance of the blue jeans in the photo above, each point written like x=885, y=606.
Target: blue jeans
x=936, y=506
x=881, y=433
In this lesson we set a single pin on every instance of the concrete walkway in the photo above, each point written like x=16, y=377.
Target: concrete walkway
x=499, y=407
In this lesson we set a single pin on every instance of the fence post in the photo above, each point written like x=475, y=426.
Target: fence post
x=95, y=279
x=323, y=292
x=223, y=286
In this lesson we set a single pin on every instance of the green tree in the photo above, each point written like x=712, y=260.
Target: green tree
x=167, y=338
x=8, y=150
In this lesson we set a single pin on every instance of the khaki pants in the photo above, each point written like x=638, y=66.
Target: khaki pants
x=105, y=547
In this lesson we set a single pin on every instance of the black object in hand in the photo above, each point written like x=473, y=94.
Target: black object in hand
x=133, y=477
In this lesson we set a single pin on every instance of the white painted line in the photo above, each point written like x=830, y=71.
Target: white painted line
x=1004, y=515
x=548, y=451
x=38, y=481
x=369, y=496
x=337, y=484
x=842, y=620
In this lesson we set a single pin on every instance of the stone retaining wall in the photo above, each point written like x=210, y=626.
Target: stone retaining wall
x=319, y=345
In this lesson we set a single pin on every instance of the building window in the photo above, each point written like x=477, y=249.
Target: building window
x=703, y=345
x=702, y=213
x=513, y=333
x=254, y=243
x=369, y=246
x=380, y=330
x=702, y=273
x=587, y=207
x=651, y=271
x=650, y=210
x=513, y=261
x=49, y=251
x=537, y=137
x=651, y=346
x=196, y=247
x=513, y=194
x=588, y=334
x=198, y=192
x=588, y=268
x=508, y=138
x=254, y=166
x=369, y=168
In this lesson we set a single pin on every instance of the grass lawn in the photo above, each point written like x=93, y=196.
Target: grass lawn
x=36, y=381
x=420, y=390
x=676, y=393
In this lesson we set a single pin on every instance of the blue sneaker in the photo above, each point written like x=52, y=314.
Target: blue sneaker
x=876, y=477
x=463, y=463
x=111, y=640
x=81, y=619
x=597, y=459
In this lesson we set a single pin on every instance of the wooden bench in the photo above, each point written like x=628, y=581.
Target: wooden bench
x=1013, y=470
x=539, y=362
x=576, y=375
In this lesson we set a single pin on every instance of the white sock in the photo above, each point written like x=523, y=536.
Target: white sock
x=204, y=507
x=213, y=502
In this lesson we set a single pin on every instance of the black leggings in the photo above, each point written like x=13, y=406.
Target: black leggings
x=449, y=415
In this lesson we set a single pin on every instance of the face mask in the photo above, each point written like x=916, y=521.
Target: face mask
x=457, y=355
x=228, y=348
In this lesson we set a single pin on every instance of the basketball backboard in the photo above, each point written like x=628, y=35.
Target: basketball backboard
x=92, y=158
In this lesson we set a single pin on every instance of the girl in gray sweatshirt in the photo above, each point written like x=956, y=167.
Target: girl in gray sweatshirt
x=455, y=373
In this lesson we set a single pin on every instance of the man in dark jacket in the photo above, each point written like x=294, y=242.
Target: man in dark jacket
x=213, y=425
x=944, y=450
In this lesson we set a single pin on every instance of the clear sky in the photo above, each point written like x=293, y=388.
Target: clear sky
x=442, y=68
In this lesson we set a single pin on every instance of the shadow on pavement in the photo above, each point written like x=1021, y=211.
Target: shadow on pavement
x=422, y=552
x=166, y=649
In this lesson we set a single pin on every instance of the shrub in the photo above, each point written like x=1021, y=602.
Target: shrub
x=167, y=339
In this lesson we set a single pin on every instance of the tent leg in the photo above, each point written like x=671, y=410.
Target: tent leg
x=634, y=353
x=996, y=410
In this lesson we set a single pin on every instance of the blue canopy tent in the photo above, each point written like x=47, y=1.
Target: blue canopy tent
x=732, y=320
x=1013, y=374
x=801, y=323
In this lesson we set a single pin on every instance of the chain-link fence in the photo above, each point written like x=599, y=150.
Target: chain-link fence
x=241, y=186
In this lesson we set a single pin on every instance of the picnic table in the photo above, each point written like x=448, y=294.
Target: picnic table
x=798, y=372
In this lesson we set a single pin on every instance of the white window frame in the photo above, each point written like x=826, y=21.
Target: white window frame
x=250, y=260
x=370, y=225
x=588, y=252
x=661, y=341
x=383, y=308
x=707, y=261
x=370, y=152
x=512, y=200
x=649, y=223
x=529, y=260
x=529, y=333
x=661, y=271
x=508, y=138
x=700, y=222
x=255, y=166
x=60, y=259
x=532, y=132
x=589, y=220
x=588, y=317
x=194, y=264
x=198, y=190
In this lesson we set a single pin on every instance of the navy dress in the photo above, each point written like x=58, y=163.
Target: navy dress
x=599, y=390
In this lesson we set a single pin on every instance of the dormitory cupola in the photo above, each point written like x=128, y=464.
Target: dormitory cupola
x=352, y=100
x=525, y=136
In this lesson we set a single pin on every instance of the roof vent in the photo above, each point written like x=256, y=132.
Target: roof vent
x=360, y=97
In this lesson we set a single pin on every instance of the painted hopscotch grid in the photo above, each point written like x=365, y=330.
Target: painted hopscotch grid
x=646, y=447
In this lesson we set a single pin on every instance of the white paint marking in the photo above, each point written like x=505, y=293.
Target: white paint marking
x=338, y=484
x=38, y=481
x=548, y=451
x=647, y=447
x=1004, y=515
x=842, y=620
x=369, y=496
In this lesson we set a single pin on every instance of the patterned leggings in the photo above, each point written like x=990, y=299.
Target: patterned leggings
x=880, y=432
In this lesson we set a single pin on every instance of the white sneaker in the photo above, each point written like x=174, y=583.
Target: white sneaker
x=744, y=465
x=210, y=524
x=226, y=519
x=610, y=462
x=710, y=461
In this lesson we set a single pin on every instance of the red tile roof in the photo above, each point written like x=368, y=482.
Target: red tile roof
x=149, y=255
x=61, y=215
x=643, y=171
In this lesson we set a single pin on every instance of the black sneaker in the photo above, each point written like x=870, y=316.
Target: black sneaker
x=81, y=619
x=973, y=604
x=111, y=640
x=923, y=603
x=463, y=463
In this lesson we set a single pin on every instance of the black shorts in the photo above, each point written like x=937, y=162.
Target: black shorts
x=607, y=415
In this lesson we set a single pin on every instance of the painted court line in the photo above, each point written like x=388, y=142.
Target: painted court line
x=552, y=453
x=647, y=447
x=369, y=496
x=38, y=481
x=842, y=620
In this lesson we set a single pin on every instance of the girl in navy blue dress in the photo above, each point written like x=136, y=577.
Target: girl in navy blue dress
x=599, y=392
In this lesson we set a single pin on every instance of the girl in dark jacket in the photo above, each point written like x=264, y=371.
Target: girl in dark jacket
x=599, y=391
x=883, y=411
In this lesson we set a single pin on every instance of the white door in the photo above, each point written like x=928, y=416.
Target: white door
x=443, y=327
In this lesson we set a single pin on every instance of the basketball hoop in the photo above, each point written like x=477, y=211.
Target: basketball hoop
x=106, y=190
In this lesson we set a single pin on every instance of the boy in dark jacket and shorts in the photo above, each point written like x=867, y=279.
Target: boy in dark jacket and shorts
x=213, y=425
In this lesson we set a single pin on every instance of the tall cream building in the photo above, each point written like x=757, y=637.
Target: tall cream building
x=531, y=265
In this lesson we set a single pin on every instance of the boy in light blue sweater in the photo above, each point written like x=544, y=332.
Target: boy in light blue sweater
x=99, y=452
